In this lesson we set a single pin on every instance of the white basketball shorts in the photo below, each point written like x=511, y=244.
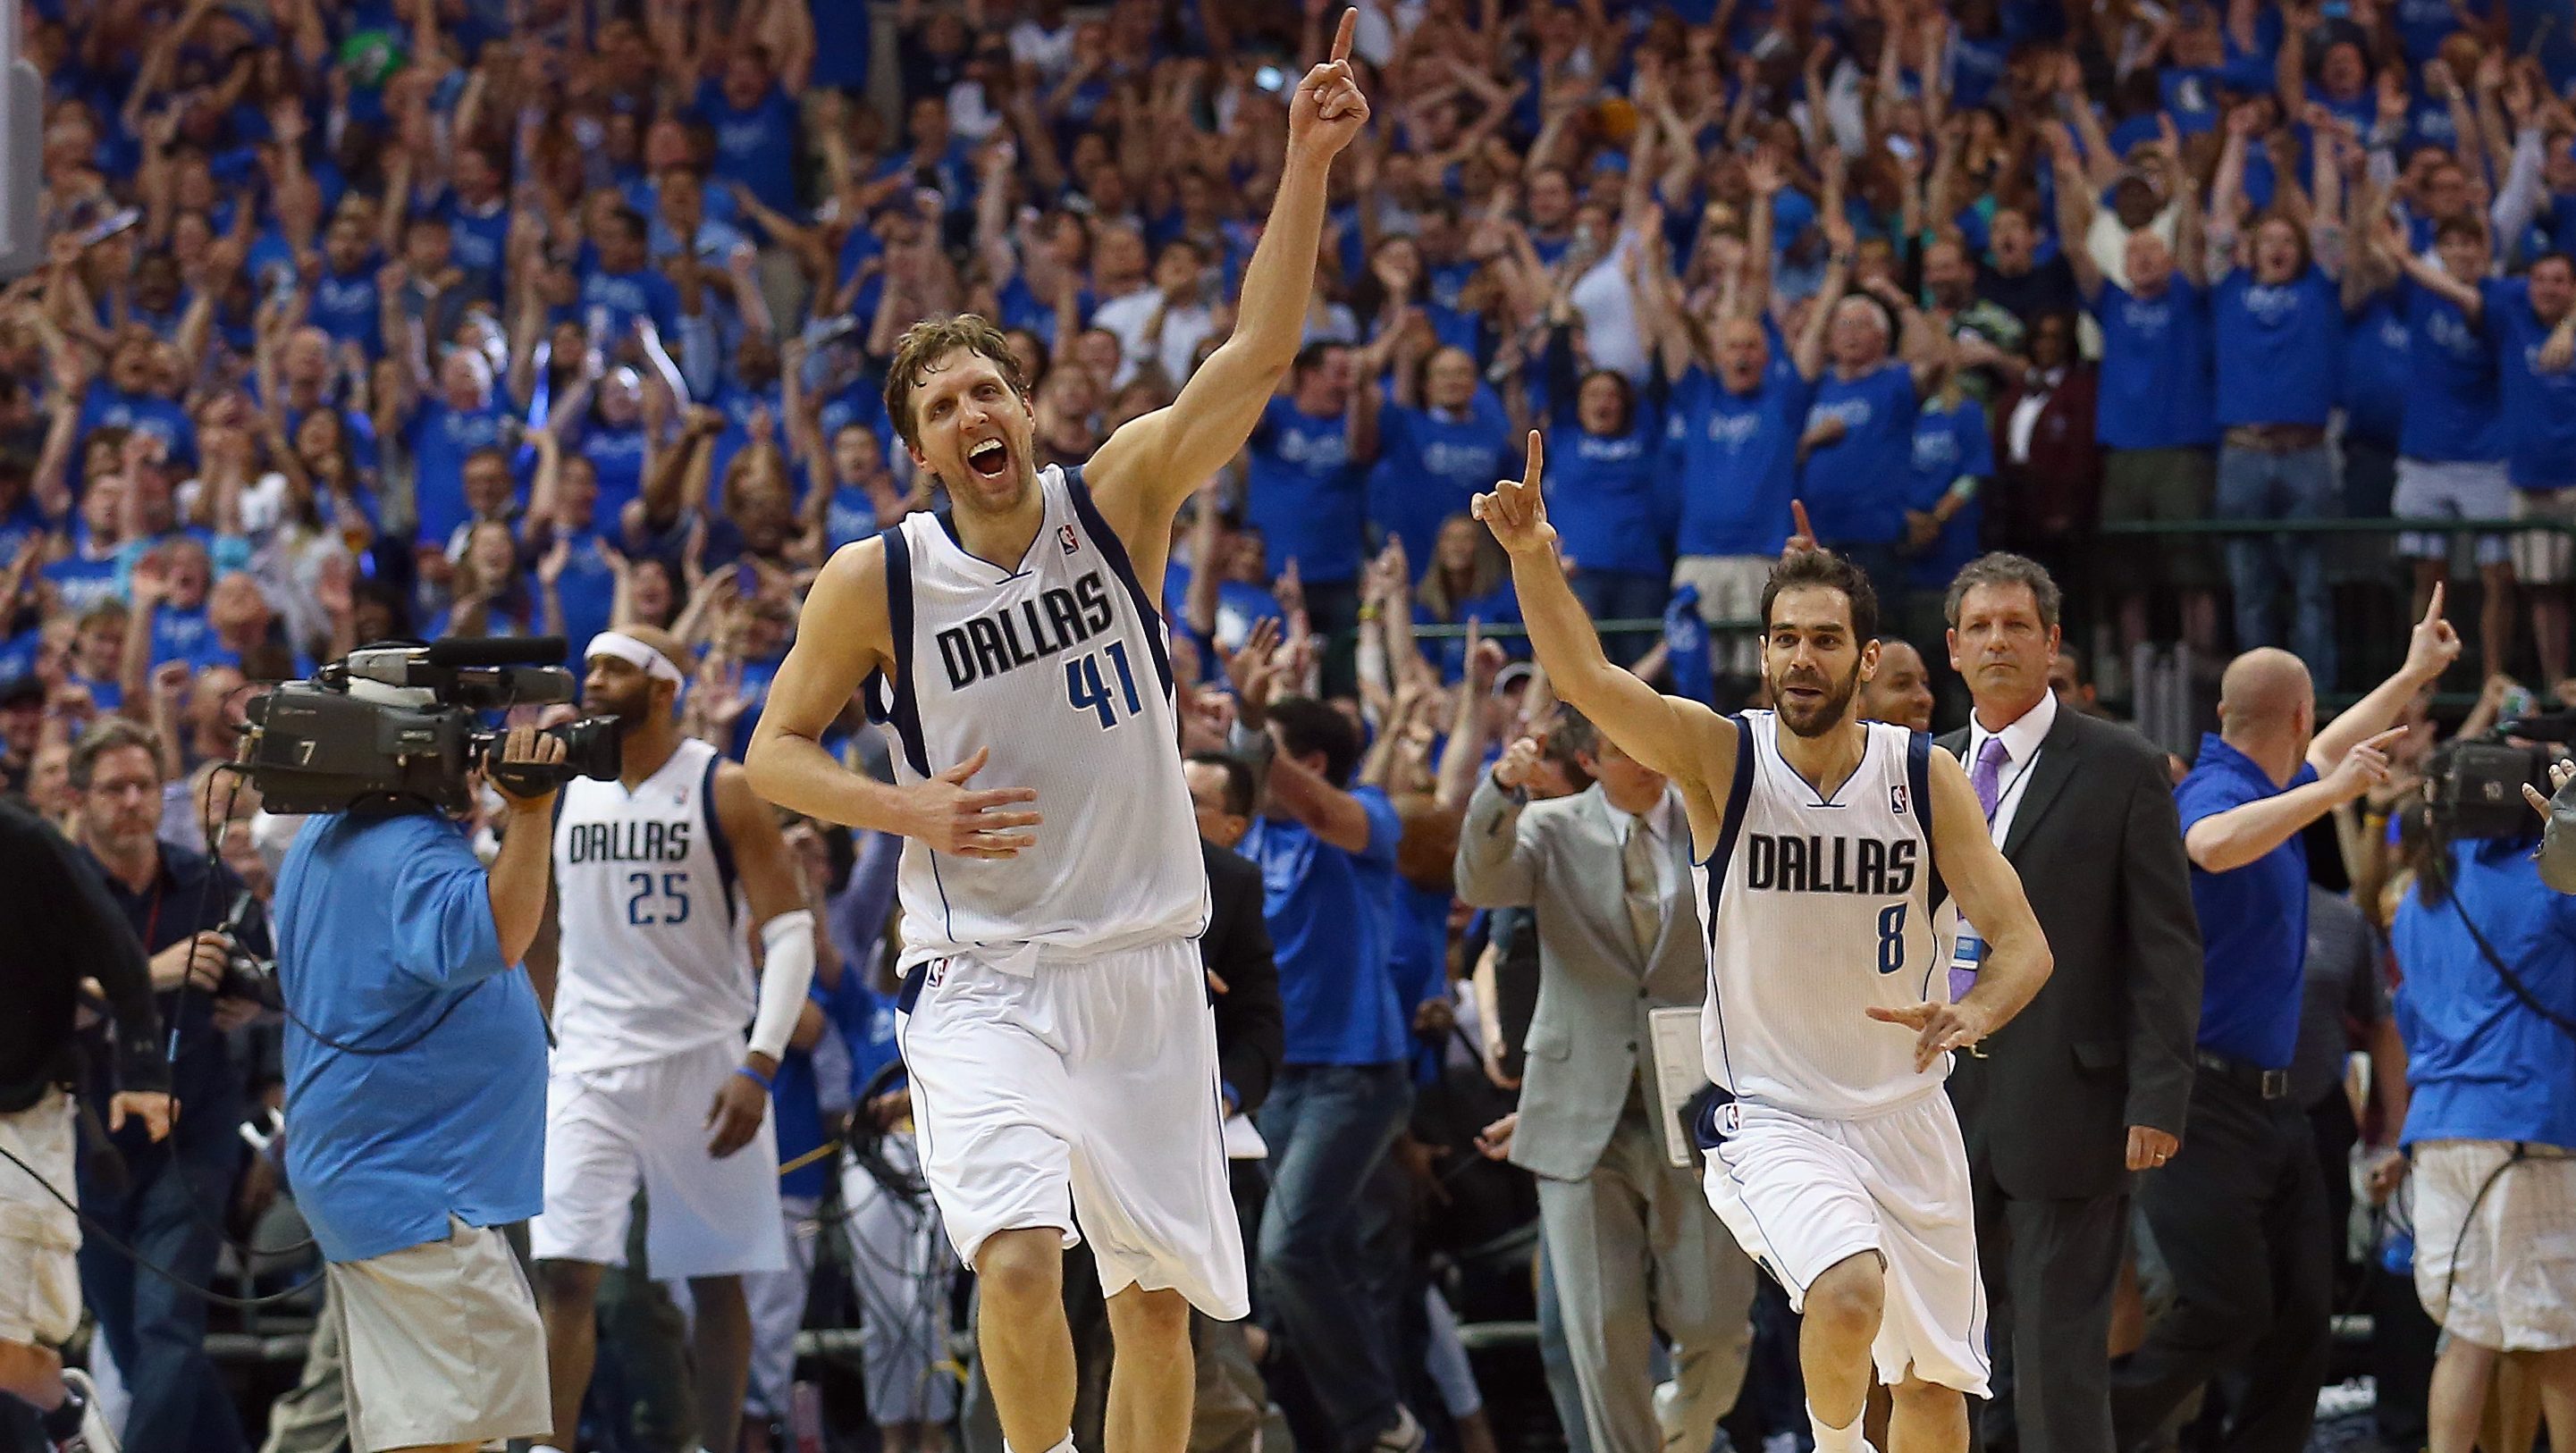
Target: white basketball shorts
x=1802, y=1193
x=611, y=1131
x=1081, y=1094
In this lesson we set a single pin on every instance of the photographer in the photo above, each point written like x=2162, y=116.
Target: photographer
x=165, y=1200
x=2487, y=1007
x=416, y=1089
x=57, y=929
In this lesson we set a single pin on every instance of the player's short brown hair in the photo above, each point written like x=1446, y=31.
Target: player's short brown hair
x=930, y=340
x=1833, y=572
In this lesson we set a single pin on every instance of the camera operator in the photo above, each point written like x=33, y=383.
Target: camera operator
x=2488, y=1011
x=416, y=1093
x=58, y=928
x=165, y=1200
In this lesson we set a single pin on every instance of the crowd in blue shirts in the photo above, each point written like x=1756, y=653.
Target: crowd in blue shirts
x=371, y=318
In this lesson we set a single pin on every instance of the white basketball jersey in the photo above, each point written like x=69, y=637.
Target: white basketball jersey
x=654, y=959
x=1819, y=909
x=1061, y=666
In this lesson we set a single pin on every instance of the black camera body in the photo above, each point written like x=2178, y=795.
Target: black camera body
x=393, y=725
x=2477, y=791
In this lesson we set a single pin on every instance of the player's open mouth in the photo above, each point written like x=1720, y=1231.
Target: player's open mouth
x=989, y=458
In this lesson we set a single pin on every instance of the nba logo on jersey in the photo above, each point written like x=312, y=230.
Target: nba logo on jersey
x=1072, y=541
x=1896, y=798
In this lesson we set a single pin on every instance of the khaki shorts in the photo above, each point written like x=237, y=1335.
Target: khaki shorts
x=2544, y=557
x=441, y=1344
x=2495, y=1242
x=1730, y=589
x=40, y=1296
x=2161, y=486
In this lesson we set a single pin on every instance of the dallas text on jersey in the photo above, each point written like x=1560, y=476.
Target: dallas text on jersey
x=1026, y=633
x=1789, y=863
x=627, y=842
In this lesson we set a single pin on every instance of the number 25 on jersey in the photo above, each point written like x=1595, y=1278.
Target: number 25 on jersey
x=1088, y=690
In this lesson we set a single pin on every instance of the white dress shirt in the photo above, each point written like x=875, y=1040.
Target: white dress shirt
x=2021, y=748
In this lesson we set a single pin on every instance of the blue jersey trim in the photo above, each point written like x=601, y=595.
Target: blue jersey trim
x=905, y=709
x=1918, y=782
x=1114, y=550
x=717, y=842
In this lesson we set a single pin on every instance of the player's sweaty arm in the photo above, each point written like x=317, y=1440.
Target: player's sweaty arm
x=1143, y=472
x=2017, y=959
x=1682, y=739
x=842, y=636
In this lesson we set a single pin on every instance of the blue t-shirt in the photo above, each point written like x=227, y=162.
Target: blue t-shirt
x=1734, y=460
x=1603, y=497
x=104, y=405
x=617, y=455
x=1854, y=488
x=348, y=307
x=2451, y=409
x=2157, y=387
x=587, y=591
x=619, y=298
x=1430, y=467
x=2253, y=919
x=2539, y=405
x=479, y=241
x=2276, y=348
x=1239, y=607
x=1949, y=442
x=756, y=147
x=441, y=438
x=2377, y=372
x=1305, y=495
x=385, y=937
x=185, y=635
x=2481, y=1065
x=81, y=582
x=1331, y=916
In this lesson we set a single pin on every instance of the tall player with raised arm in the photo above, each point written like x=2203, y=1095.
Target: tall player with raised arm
x=1825, y=848
x=1054, y=1013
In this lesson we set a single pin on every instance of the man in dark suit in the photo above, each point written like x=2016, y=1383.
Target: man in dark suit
x=1236, y=946
x=2091, y=1082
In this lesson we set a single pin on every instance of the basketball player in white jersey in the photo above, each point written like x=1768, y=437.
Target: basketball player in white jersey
x=1825, y=845
x=1055, y=1018
x=661, y=877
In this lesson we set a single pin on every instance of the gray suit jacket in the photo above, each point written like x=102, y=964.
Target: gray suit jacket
x=2107, y=1043
x=1588, y=1039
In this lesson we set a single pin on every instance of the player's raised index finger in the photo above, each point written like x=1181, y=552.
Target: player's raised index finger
x=1537, y=461
x=1342, y=34
x=2433, y=607
x=1798, y=512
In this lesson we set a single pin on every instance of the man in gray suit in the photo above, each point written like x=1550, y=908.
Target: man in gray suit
x=2090, y=1083
x=1631, y=1238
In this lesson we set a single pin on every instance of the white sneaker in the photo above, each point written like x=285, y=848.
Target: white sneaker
x=1406, y=1436
x=94, y=1436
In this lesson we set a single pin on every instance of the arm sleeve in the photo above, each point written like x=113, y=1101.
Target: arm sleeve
x=441, y=901
x=1251, y=1026
x=2164, y=977
x=1497, y=862
x=99, y=944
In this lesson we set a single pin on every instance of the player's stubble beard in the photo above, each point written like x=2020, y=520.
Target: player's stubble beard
x=1829, y=714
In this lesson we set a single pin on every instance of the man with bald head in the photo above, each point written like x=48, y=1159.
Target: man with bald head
x=1732, y=444
x=2239, y=1212
x=2156, y=416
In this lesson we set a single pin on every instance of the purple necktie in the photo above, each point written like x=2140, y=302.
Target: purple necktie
x=1987, y=779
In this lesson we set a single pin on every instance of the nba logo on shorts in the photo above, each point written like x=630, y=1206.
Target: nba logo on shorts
x=1072, y=541
x=1896, y=798
x=1730, y=1119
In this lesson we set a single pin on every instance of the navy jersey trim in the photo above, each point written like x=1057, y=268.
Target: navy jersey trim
x=1918, y=783
x=905, y=710
x=1739, y=793
x=1114, y=550
x=717, y=842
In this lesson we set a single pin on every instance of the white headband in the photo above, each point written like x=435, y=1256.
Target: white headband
x=634, y=653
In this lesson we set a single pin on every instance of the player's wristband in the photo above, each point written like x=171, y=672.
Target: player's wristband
x=765, y=1082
